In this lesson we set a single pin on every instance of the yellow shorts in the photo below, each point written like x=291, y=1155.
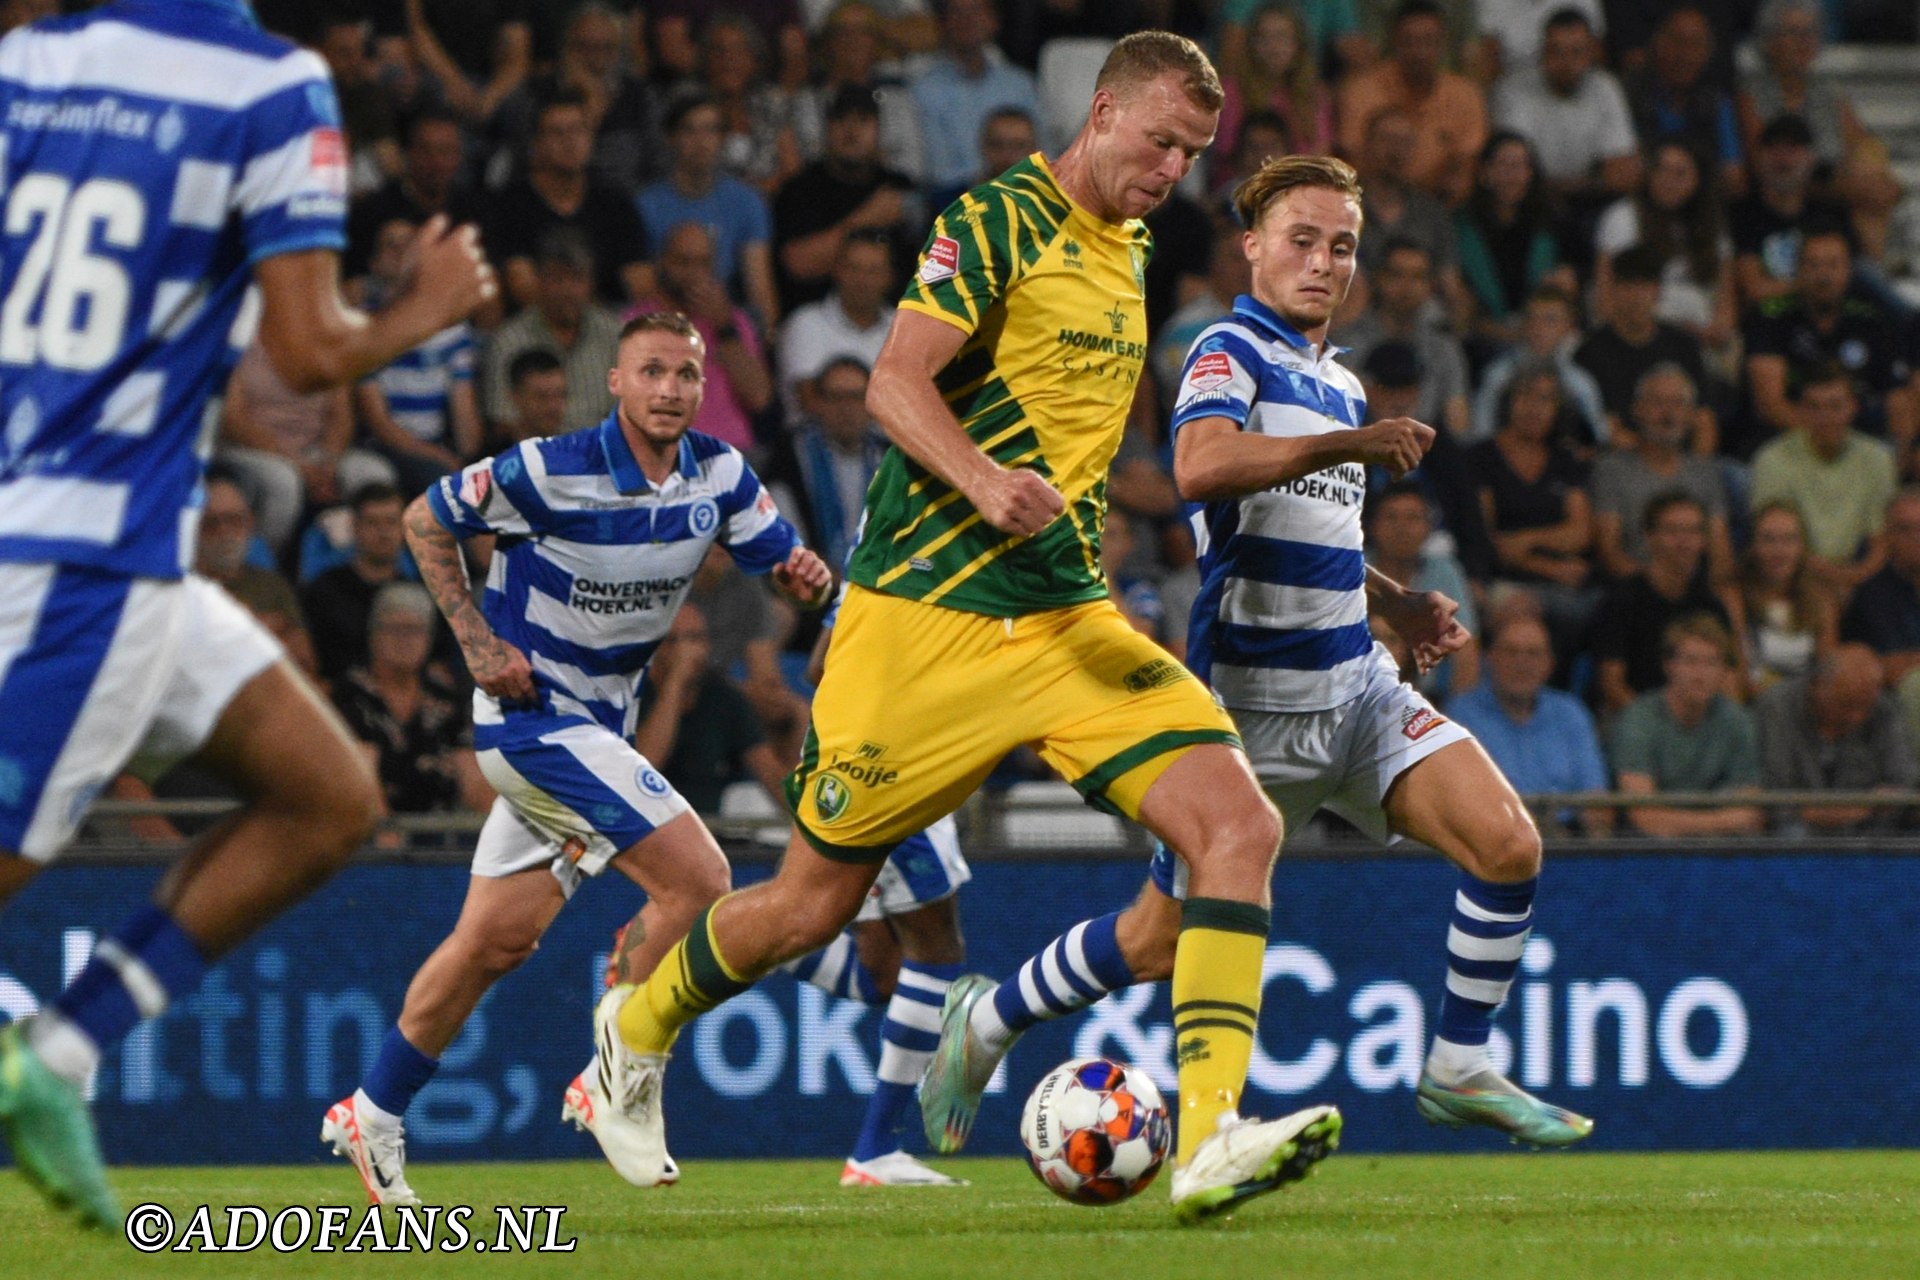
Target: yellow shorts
x=920, y=702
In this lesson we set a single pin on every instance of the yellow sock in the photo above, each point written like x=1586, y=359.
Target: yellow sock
x=691, y=979
x=1216, y=1007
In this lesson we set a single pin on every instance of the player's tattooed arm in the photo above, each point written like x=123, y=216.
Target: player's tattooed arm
x=497, y=666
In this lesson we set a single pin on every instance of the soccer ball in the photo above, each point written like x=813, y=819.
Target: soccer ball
x=1096, y=1132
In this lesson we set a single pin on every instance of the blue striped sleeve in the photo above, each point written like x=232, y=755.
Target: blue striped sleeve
x=1218, y=380
x=292, y=189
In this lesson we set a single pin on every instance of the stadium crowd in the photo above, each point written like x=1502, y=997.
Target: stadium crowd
x=1649, y=292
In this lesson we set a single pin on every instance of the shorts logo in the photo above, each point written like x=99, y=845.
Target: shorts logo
x=650, y=782
x=942, y=261
x=1417, y=722
x=477, y=489
x=574, y=849
x=704, y=516
x=1154, y=675
x=873, y=775
x=830, y=798
x=607, y=816
x=872, y=750
x=1210, y=371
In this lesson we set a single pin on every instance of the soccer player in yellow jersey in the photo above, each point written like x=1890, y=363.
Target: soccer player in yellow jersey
x=978, y=620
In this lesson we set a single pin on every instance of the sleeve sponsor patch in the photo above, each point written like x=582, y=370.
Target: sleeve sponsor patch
x=942, y=260
x=477, y=488
x=1210, y=371
x=327, y=152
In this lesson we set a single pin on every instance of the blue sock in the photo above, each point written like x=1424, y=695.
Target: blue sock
x=836, y=970
x=908, y=1035
x=399, y=1072
x=1069, y=973
x=133, y=974
x=1488, y=934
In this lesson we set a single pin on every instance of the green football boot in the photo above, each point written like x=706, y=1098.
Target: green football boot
x=50, y=1132
x=1490, y=1099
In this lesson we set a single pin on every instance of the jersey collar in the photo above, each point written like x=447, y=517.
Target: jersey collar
x=626, y=473
x=237, y=8
x=1261, y=316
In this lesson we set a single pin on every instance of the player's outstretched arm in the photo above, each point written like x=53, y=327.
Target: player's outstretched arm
x=497, y=666
x=1213, y=459
x=902, y=398
x=316, y=340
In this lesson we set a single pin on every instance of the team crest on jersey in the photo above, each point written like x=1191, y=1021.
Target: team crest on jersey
x=650, y=782
x=942, y=261
x=171, y=130
x=1417, y=722
x=477, y=489
x=704, y=516
x=830, y=797
x=1210, y=372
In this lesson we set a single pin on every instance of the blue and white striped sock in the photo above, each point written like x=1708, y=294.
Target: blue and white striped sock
x=134, y=974
x=1069, y=973
x=908, y=1035
x=1484, y=944
x=836, y=970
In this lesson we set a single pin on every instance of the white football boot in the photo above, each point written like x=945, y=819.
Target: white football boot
x=894, y=1169
x=379, y=1156
x=1246, y=1158
x=624, y=1106
x=578, y=1109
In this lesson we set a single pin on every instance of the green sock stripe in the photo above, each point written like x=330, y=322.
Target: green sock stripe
x=1225, y=915
x=1181, y=1028
x=1226, y=1006
x=704, y=972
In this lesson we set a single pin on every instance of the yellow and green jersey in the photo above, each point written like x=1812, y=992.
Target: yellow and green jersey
x=1052, y=300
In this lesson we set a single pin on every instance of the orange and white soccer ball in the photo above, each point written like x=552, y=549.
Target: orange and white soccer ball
x=1096, y=1131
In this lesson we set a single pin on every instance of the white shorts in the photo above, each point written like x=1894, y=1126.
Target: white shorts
x=574, y=795
x=98, y=671
x=1344, y=759
x=922, y=869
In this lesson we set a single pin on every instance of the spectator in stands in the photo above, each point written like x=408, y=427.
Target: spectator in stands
x=679, y=27
x=1404, y=309
x=366, y=112
x=291, y=450
x=1549, y=331
x=837, y=448
x=1330, y=33
x=845, y=193
x=1633, y=619
x=1769, y=224
x=739, y=380
x=565, y=320
x=1836, y=729
x=428, y=184
x=1278, y=73
x=559, y=193
x=1393, y=208
x=1505, y=243
x=1633, y=341
x=623, y=106
x=695, y=190
x=226, y=551
x=1533, y=500
x=414, y=727
x=959, y=87
x=1674, y=98
x=419, y=411
x=1830, y=320
x=1448, y=112
x=749, y=627
x=1183, y=235
x=757, y=143
x=1677, y=214
x=1007, y=137
x=1688, y=735
x=1631, y=25
x=1783, y=616
x=698, y=728
x=1134, y=595
x=1786, y=80
x=1400, y=544
x=1263, y=135
x=1840, y=479
x=1391, y=376
x=339, y=601
x=851, y=322
x=537, y=389
x=1627, y=480
x=1509, y=36
x=1570, y=109
x=849, y=46
x=476, y=53
x=1885, y=612
x=1543, y=739
x=1228, y=276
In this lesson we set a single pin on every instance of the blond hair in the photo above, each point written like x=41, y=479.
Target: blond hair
x=1145, y=56
x=1289, y=173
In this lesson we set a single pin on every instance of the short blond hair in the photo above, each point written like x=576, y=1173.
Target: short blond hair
x=1145, y=56
x=1290, y=173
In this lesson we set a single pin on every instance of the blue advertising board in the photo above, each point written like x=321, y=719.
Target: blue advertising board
x=1683, y=1001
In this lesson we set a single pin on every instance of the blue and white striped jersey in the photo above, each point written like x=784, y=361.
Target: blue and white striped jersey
x=593, y=560
x=1281, y=620
x=150, y=152
x=419, y=384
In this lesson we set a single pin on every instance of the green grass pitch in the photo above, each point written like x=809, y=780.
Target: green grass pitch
x=1844, y=1215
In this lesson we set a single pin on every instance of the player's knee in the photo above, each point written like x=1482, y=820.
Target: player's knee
x=1514, y=856
x=504, y=949
x=1248, y=833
